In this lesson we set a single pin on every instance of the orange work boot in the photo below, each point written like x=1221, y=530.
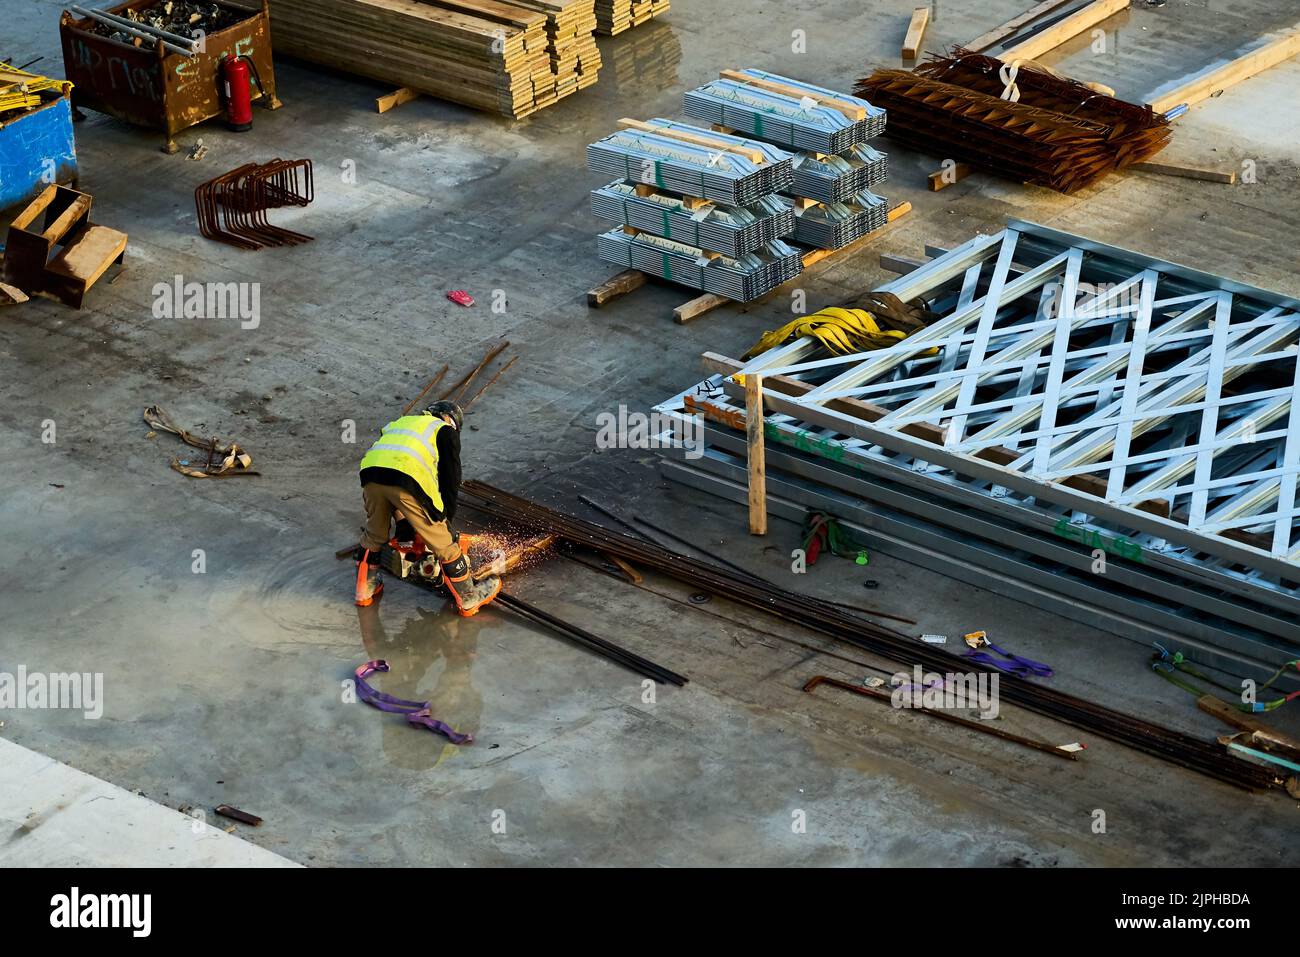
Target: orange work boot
x=469, y=595
x=369, y=585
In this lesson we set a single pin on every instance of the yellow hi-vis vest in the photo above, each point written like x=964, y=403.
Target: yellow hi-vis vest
x=410, y=446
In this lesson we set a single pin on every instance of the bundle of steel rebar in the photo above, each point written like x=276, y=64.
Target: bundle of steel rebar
x=730, y=230
x=836, y=225
x=615, y=16
x=232, y=207
x=741, y=278
x=1059, y=134
x=1167, y=744
x=789, y=113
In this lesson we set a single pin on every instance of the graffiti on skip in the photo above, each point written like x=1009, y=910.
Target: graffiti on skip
x=121, y=73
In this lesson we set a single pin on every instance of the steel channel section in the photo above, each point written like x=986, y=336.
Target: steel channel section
x=934, y=511
x=977, y=563
x=950, y=486
x=969, y=561
x=1268, y=637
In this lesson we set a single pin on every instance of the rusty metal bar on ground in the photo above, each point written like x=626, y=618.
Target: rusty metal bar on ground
x=607, y=649
x=500, y=373
x=426, y=390
x=1167, y=744
x=1051, y=749
x=609, y=513
x=459, y=386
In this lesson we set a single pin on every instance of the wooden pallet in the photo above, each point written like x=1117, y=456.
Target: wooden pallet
x=629, y=280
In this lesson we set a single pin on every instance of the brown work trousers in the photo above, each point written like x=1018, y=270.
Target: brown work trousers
x=382, y=500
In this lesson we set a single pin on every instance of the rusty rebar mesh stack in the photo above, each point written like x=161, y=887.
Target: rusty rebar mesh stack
x=1060, y=134
x=232, y=207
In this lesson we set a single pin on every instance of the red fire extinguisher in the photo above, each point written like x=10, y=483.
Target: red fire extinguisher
x=239, y=94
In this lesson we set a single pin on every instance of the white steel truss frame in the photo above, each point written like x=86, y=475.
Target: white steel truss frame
x=1174, y=392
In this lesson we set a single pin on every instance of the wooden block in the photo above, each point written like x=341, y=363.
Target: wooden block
x=698, y=306
x=614, y=287
x=939, y=181
x=756, y=459
x=11, y=295
x=916, y=32
x=998, y=34
x=390, y=100
x=1187, y=172
x=899, y=211
x=1229, y=74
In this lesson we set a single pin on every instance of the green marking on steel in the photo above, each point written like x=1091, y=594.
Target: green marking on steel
x=659, y=179
x=1091, y=538
x=758, y=125
x=668, y=229
x=668, y=267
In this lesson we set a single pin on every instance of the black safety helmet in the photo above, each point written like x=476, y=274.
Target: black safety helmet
x=451, y=409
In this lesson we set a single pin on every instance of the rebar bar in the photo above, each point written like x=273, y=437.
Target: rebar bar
x=1167, y=744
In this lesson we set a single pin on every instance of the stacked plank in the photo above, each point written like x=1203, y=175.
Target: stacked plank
x=511, y=57
x=1059, y=134
x=571, y=44
x=615, y=16
x=508, y=15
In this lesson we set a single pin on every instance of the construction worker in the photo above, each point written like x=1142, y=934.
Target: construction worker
x=414, y=469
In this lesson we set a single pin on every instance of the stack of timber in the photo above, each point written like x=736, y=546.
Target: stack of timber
x=504, y=56
x=696, y=207
x=834, y=168
x=1060, y=134
x=615, y=16
x=570, y=42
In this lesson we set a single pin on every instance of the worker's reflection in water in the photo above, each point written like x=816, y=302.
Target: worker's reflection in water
x=413, y=655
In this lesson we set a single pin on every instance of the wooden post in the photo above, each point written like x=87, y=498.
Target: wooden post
x=998, y=34
x=1231, y=73
x=1082, y=19
x=757, y=462
x=915, y=33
